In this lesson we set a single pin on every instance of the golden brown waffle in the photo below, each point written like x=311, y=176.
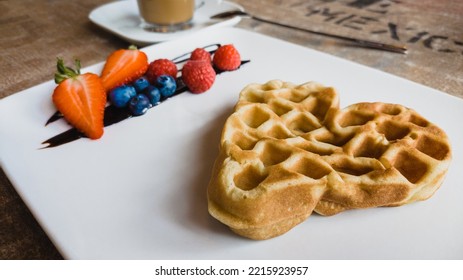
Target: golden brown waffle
x=288, y=150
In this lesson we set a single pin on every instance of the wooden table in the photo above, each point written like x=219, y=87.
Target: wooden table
x=34, y=32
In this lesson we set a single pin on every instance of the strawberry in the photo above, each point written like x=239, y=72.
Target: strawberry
x=81, y=99
x=227, y=58
x=123, y=67
x=201, y=54
x=161, y=67
x=198, y=75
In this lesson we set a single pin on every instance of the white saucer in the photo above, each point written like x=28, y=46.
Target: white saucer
x=122, y=19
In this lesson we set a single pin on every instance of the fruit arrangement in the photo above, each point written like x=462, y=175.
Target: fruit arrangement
x=130, y=82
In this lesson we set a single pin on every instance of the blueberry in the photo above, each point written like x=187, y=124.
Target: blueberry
x=139, y=104
x=141, y=84
x=121, y=96
x=166, y=85
x=153, y=94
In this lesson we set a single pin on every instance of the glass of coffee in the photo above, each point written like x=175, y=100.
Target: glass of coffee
x=166, y=15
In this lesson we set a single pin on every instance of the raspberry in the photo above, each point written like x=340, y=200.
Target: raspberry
x=161, y=67
x=201, y=54
x=227, y=58
x=198, y=75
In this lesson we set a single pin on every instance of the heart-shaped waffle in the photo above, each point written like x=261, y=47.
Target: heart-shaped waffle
x=289, y=150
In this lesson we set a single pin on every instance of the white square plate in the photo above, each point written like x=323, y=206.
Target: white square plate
x=140, y=191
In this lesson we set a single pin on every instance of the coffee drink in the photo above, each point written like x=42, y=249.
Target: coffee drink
x=166, y=14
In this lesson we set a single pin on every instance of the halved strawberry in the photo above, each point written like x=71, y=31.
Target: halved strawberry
x=81, y=98
x=123, y=67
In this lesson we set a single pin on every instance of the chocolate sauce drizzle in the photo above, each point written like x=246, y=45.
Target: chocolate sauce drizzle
x=113, y=115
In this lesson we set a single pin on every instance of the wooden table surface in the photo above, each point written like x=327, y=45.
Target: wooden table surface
x=34, y=32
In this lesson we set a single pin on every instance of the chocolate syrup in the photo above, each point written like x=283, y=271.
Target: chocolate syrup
x=113, y=114
x=56, y=116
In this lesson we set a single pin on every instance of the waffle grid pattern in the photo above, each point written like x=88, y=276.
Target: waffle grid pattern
x=289, y=150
